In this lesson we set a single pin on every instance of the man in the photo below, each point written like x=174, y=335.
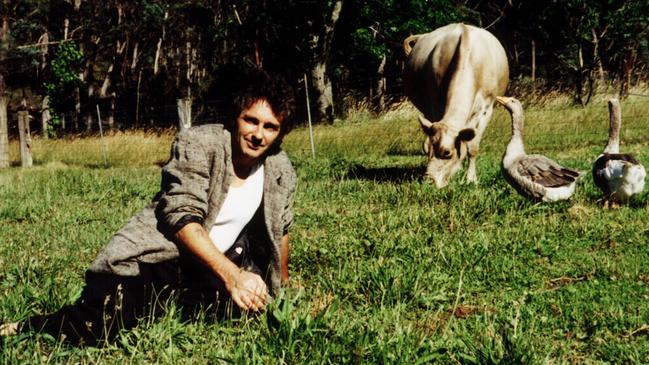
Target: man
x=216, y=233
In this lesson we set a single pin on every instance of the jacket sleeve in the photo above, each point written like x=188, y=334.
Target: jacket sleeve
x=287, y=215
x=185, y=183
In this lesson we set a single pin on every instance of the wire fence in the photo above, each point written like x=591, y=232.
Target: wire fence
x=393, y=132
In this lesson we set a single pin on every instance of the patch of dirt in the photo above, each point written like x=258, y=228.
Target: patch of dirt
x=465, y=311
x=610, y=244
x=644, y=278
x=320, y=304
x=562, y=281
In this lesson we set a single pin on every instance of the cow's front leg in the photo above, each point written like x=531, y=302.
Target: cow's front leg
x=471, y=175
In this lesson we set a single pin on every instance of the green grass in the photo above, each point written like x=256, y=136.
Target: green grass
x=385, y=268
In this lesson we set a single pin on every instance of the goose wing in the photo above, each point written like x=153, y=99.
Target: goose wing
x=605, y=158
x=546, y=172
x=609, y=171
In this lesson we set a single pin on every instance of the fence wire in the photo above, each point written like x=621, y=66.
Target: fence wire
x=395, y=131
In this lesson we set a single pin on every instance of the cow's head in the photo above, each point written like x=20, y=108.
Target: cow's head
x=445, y=149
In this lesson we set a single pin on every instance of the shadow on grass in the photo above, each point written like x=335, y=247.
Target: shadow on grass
x=387, y=174
x=640, y=201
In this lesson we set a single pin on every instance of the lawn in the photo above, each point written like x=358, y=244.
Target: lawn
x=385, y=268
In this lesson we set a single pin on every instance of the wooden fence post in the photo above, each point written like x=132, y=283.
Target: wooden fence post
x=25, y=139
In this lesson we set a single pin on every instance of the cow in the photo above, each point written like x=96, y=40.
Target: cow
x=453, y=75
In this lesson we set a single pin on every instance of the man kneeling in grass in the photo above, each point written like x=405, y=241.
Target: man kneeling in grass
x=216, y=233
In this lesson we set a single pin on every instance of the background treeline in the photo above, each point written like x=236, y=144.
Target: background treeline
x=148, y=63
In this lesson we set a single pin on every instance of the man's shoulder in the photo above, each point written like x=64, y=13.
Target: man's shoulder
x=206, y=131
x=282, y=166
x=207, y=135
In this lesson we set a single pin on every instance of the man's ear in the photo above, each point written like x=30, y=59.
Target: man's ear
x=466, y=134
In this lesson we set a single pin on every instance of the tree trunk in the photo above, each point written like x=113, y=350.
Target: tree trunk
x=158, y=50
x=184, y=113
x=66, y=27
x=584, y=83
x=381, y=86
x=4, y=127
x=533, y=63
x=77, y=108
x=46, y=117
x=627, y=68
x=323, y=91
x=596, y=57
x=103, y=91
x=111, y=112
x=4, y=121
x=25, y=139
x=135, y=56
x=137, y=99
x=320, y=49
x=43, y=41
x=89, y=100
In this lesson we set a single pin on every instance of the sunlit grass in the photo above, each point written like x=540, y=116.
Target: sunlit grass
x=385, y=268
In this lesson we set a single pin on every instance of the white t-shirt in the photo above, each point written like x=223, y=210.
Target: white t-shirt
x=239, y=207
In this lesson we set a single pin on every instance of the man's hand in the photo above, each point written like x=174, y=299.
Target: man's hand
x=248, y=291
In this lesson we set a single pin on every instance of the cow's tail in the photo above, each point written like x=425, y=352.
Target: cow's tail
x=408, y=43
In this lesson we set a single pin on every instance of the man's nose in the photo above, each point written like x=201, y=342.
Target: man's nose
x=258, y=133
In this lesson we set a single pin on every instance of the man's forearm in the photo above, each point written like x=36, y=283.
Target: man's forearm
x=248, y=290
x=283, y=258
x=196, y=239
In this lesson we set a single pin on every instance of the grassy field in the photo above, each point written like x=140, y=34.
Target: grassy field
x=385, y=268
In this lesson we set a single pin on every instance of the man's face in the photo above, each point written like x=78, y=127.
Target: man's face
x=256, y=130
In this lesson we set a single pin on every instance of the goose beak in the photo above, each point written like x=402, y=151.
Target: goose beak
x=502, y=100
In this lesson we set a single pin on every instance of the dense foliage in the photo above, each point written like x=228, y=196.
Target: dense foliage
x=140, y=56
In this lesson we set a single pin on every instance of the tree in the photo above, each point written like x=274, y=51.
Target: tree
x=4, y=126
x=60, y=89
x=378, y=28
x=4, y=123
x=579, y=42
x=320, y=40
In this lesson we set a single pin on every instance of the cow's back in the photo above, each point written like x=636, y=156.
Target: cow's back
x=435, y=57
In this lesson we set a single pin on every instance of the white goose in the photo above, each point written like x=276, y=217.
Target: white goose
x=618, y=175
x=534, y=176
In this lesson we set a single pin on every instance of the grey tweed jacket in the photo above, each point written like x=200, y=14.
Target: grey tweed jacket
x=195, y=182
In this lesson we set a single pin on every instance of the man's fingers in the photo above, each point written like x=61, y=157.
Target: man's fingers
x=239, y=302
x=249, y=301
x=251, y=292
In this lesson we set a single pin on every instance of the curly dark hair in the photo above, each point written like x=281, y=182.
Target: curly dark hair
x=258, y=85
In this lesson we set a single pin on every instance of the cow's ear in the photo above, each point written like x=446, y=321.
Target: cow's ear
x=466, y=134
x=426, y=125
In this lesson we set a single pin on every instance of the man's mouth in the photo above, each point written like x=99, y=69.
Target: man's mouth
x=253, y=145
